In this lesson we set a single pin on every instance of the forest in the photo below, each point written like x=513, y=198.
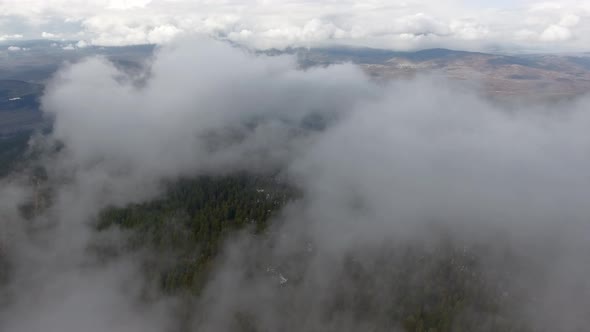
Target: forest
x=417, y=289
x=413, y=288
x=192, y=219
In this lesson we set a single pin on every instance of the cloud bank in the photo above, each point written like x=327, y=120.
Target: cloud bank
x=476, y=25
x=397, y=166
x=420, y=164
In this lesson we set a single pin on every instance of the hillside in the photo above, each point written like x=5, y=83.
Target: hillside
x=503, y=77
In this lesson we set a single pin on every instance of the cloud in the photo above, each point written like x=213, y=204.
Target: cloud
x=556, y=33
x=49, y=35
x=469, y=29
x=266, y=24
x=16, y=49
x=165, y=104
x=569, y=20
x=127, y=4
x=387, y=178
x=121, y=139
x=162, y=34
x=396, y=166
x=10, y=37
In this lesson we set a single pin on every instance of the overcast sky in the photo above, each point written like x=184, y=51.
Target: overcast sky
x=509, y=25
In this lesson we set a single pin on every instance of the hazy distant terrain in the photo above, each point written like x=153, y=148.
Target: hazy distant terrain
x=24, y=72
x=512, y=78
x=523, y=78
x=37, y=61
x=534, y=77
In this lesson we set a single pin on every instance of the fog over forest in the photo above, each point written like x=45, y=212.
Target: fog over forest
x=393, y=182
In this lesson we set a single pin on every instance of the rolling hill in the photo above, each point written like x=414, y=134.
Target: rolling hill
x=536, y=77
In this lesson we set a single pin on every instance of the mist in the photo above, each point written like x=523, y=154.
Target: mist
x=435, y=171
x=422, y=166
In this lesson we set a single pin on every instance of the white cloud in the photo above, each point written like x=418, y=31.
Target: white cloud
x=469, y=29
x=162, y=34
x=14, y=48
x=525, y=34
x=546, y=6
x=49, y=35
x=82, y=44
x=556, y=33
x=569, y=20
x=127, y=4
x=421, y=24
x=10, y=37
x=279, y=24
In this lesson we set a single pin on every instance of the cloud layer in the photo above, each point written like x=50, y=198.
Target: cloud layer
x=479, y=25
x=121, y=138
x=395, y=166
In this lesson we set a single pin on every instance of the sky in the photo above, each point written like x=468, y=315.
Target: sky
x=517, y=25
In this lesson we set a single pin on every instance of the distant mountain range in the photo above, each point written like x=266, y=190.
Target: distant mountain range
x=535, y=77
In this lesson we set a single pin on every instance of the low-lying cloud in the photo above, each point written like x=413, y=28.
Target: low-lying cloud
x=397, y=166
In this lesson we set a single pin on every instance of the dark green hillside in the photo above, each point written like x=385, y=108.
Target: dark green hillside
x=410, y=287
x=189, y=223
